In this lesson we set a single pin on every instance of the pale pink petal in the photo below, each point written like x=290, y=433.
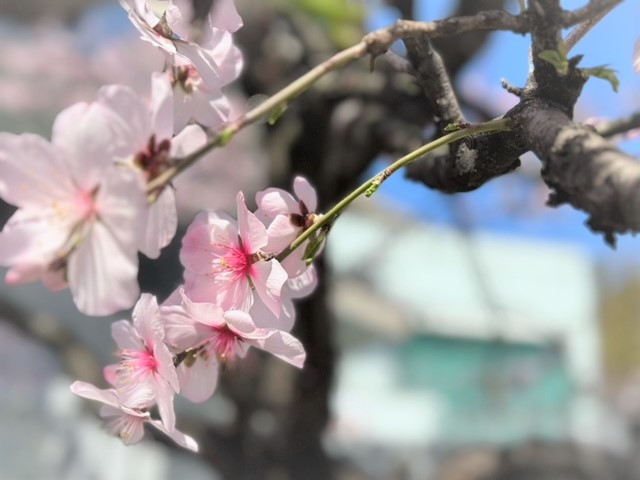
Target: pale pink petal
x=187, y=141
x=174, y=298
x=102, y=274
x=206, y=238
x=110, y=373
x=164, y=398
x=199, y=380
x=122, y=207
x=91, y=138
x=252, y=231
x=125, y=336
x=268, y=278
x=25, y=272
x=264, y=318
x=133, y=111
x=284, y=346
x=30, y=241
x=228, y=57
x=275, y=201
x=202, y=60
x=181, y=331
x=305, y=192
x=161, y=106
x=179, y=15
x=55, y=280
x=210, y=109
x=205, y=313
x=32, y=171
x=281, y=233
x=225, y=16
x=146, y=320
x=162, y=223
x=177, y=436
x=636, y=56
x=90, y=392
x=228, y=295
x=129, y=428
x=241, y=323
x=304, y=284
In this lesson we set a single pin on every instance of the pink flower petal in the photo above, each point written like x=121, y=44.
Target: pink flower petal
x=305, y=192
x=268, y=278
x=284, y=346
x=275, y=201
x=177, y=436
x=252, y=231
x=199, y=380
x=33, y=173
x=102, y=274
x=225, y=16
x=162, y=223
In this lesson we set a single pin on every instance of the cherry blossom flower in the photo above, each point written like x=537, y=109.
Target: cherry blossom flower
x=636, y=56
x=287, y=216
x=124, y=422
x=79, y=222
x=194, y=101
x=209, y=335
x=167, y=25
x=224, y=261
x=146, y=143
x=145, y=374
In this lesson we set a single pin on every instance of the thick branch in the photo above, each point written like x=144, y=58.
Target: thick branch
x=434, y=80
x=584, y=169
x=621, y=125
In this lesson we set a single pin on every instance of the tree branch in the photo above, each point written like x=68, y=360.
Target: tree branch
x=616, y=127
x=584, y=169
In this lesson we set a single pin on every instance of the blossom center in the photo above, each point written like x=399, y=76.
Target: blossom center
x=224, y=342
x=85, y=204
x=237, y=261
x=137, y=362
x=154, y=159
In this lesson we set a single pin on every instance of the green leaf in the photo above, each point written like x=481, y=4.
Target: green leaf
x=452, y=127
x=276, y=113
x=557, y=58
x=225, y=137
x=334, y=10
x=605, y=74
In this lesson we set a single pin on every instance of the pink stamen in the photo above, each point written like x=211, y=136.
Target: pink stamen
x=85, y=203
x=137, y=362
x=224, y=342
x=235, y=262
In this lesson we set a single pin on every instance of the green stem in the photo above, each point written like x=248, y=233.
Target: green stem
x=283, y=97
x=491, y=126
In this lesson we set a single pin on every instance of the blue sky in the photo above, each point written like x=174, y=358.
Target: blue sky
x=514, y=204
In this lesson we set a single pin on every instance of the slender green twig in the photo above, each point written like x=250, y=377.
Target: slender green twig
x=371, y=185
x=284, y=96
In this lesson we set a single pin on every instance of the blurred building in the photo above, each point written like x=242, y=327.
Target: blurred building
x=454, y=339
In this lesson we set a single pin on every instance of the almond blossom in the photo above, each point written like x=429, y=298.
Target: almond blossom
x=145, y=374
x=148, y=145
x=215, y=336
x=287, y=217
x=224, y=261
x=125, y=422
x=167, y=25
x=80, y=218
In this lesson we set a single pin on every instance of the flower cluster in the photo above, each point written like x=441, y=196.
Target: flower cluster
x=236, y=295
x=83, y=212
x=86, y=209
